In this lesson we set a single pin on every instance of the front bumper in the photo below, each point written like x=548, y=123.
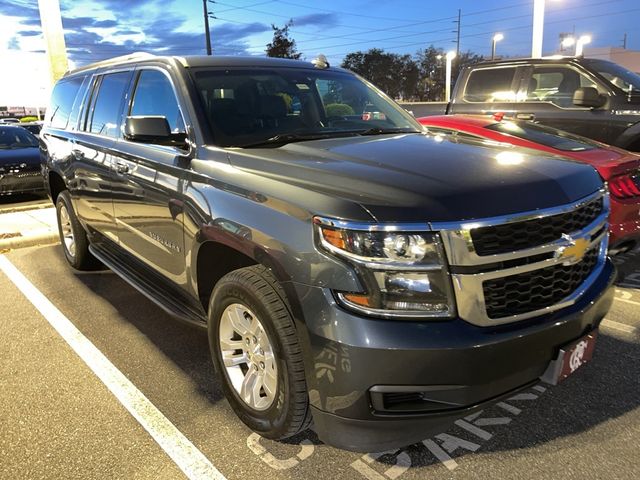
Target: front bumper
x=457, y=367
x=21, y=182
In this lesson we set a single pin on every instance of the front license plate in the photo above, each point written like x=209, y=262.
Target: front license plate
x=570, y=358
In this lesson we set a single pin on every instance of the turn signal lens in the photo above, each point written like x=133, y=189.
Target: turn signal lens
x=625, y=186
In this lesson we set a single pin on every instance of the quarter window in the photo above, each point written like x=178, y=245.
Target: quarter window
x=154, y=96
x=105, y=116
x=62, y=99
x=491, y=85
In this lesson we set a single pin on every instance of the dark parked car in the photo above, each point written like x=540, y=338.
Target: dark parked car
x=19, y=161
x=33, y=127
x=594, y=98
x=349, y=268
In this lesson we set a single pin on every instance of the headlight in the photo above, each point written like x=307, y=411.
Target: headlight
x=404, y=273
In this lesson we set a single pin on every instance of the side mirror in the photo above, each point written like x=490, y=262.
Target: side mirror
x=152, y=129
x=587, y=97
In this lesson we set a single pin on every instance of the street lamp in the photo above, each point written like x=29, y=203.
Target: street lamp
x=568, y=42
x=496, y=38
x=447, y=83
x=582, y=41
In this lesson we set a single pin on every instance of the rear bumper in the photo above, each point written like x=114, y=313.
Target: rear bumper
x=456, y=367
x=624, y=223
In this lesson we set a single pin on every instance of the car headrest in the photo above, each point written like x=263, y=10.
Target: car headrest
x=273, y=106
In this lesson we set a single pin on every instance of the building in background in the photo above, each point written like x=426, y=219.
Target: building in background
x=630, y=59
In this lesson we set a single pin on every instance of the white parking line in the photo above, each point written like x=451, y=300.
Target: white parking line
x=623, y=327
x=185, y=455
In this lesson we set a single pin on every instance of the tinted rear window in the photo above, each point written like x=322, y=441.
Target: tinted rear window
x=544, y=136
x=62, y=99
x=106, y=110
x=490, y=85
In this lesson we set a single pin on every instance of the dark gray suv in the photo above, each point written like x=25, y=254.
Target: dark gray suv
x=350, y=268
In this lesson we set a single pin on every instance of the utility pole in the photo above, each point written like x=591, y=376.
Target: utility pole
x=207, y=33
x=457, y=32
x=624, y=41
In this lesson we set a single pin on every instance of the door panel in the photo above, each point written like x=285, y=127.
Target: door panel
x=548, y=96
x=147, y=206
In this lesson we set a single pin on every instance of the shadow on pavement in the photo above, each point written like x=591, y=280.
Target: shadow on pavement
x=16, y=199
x=185, y=345
x=628, y=265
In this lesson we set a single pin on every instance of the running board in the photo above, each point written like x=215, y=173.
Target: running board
x=149, y=283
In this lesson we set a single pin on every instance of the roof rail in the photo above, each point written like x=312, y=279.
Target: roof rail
x=110, y=61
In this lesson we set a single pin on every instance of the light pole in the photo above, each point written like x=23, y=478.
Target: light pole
x=447, y=82
x=538, y=26
x=440, y=71
x=496, y=38
x=582, y=41
x=568, y=42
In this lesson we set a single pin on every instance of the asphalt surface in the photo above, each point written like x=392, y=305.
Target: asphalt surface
x=59, y=421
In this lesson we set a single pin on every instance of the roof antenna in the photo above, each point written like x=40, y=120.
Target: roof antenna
x=320, y=62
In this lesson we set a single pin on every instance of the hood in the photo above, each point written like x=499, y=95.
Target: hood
x=29, y=155
x=417, y=177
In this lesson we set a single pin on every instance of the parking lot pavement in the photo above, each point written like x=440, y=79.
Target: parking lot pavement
x=61, y=418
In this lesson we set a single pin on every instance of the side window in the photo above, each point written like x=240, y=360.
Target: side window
x=77, y=104
x=491, y=85
x=61, y=103
x=154, y=96
x=106, y=107
x=556, y=85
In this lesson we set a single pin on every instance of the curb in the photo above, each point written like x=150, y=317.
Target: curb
x=24, y=208
x=13, y=243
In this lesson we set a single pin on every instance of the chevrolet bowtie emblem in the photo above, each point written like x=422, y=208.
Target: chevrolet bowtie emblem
x=574, y=251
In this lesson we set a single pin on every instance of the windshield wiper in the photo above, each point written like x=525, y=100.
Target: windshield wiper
x=285, y=138
x=384, y=131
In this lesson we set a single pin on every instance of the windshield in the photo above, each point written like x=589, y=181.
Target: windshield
x=249, y=107
x=16, y=137
x=616, y=75
x=548, y=137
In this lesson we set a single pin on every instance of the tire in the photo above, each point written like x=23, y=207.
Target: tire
x=73, y=237
x=254, y=299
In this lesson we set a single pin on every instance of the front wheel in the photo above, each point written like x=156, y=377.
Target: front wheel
x=255, y=349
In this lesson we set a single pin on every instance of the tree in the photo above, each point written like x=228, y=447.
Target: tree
x=282, y=45
x=431, y=82
x=397, y=75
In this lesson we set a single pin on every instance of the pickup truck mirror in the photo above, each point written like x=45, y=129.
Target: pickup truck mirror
x=587, y=97
x=152, y=129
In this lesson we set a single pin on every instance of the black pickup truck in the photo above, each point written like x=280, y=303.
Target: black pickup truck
x=594, y=98
x=350, y=268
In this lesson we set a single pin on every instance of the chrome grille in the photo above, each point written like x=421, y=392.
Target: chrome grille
x=524, y=279
x=522, y=293
x=496, y=239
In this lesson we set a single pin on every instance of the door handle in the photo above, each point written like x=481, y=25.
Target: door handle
x=526, y=116
x=122, y=168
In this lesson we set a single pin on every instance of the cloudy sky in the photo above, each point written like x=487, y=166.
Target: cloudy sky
x=99, y=29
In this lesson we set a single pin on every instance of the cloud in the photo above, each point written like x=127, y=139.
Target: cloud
x=92, y=38
x=316, y=19
x=13, y=44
